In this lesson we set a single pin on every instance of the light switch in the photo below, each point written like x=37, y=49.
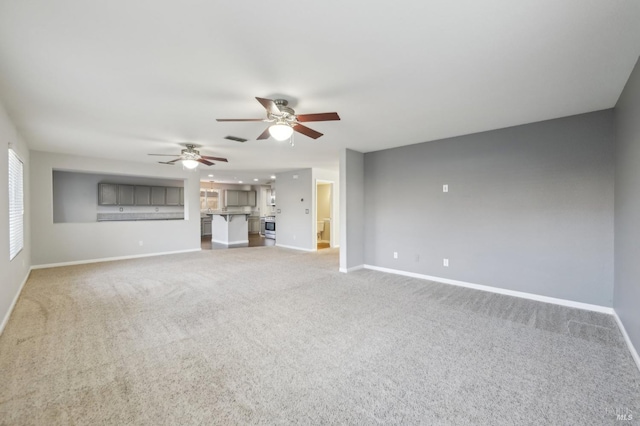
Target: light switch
x=445, y=188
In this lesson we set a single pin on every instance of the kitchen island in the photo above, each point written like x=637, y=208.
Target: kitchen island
x=229, y=228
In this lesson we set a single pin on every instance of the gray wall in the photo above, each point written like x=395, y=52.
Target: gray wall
x=626, y=294
x=293, y=224
x=352, y=209
x=529, y=208
x=75, y=195
x=14, y=272
x=72, y=242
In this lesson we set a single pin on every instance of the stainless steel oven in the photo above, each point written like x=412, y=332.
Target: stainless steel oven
x=270, y=227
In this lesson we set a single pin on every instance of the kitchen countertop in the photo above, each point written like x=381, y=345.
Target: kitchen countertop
x=114, y=217
x=220, y=212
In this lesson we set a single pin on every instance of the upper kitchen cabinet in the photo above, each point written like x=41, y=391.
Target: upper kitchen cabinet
x=173, y=196
x=231, y=198
x=243, y=198
x=113, y=194
x=108, y=194
x=126, y=195
x=143, y=195
x=158, y=195
x=234, y=198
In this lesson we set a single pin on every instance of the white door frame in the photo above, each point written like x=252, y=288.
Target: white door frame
x=315, y=204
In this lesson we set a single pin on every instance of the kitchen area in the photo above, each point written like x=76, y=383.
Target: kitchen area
x=237, y=215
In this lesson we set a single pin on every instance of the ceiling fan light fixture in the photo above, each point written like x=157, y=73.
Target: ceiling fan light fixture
x=190, y=164
x=280, y=131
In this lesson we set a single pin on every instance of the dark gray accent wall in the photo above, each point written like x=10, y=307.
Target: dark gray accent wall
x=626, y=294
x=529, y=208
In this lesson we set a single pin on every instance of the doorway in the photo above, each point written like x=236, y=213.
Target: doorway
x=324, y=212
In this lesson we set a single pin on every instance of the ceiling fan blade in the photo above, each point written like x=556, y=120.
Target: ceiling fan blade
x=325, y=116
x=167, y=155
x=269, y=105
x=215, y=158
x=203, y=161
x=307, y=131
x=265, y=134
x=171, y=163
x=240, y=119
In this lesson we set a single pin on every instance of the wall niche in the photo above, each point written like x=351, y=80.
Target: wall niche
x=76, y=197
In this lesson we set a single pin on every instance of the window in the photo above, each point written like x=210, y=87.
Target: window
x=16, y=205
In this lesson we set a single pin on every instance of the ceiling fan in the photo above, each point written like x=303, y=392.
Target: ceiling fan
x=190, y=158
x=285, y=120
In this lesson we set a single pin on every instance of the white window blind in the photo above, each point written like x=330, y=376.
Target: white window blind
x=16, y=205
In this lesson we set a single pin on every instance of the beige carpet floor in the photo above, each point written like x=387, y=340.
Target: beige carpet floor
x=273, y=336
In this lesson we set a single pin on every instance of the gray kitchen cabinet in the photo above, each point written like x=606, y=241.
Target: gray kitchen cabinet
x=113, y=194
x=243, y=198
x=235, y=198
x=231, y=197
x=254, y=225
x=126, y=195
x=107, y=194
x=205, y=226
x=158, y=195
x=173, y=196
x=143, y=195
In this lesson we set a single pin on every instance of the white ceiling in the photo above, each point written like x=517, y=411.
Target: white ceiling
x=120, y=79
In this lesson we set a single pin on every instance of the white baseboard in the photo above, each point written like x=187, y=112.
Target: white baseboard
x=5, y=320
x=294, y=248
x=230, y=243
x=632, y=349
x=521, y=294
x=353, y=268
x=110, y=259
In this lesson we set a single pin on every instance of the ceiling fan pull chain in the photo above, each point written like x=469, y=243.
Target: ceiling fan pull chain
x=291, y=140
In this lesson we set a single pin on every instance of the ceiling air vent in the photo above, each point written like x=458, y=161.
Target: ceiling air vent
x=235, y=138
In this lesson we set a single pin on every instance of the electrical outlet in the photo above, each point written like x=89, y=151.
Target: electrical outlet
x=140, y=243
x=445, y=262
x=395, y=254
x=294, y=236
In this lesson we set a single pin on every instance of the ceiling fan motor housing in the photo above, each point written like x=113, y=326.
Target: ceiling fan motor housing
x=287, y=114
x=190, y=153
